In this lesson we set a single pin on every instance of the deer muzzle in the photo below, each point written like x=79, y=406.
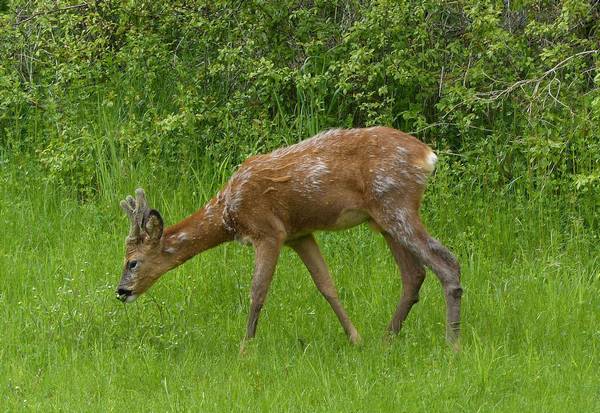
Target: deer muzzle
x=125, y=295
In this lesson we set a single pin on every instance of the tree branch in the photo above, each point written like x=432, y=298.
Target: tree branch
x=497, y=94
x=44, y=13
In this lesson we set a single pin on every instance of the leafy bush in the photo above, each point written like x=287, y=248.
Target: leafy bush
x=513, y=91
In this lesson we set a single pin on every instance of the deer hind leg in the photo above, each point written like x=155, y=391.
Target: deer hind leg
x=405, y=227
x=308, y=251
x=267, y=252
x=413, y=275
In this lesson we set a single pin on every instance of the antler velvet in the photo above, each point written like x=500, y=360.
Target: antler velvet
x=136, y=210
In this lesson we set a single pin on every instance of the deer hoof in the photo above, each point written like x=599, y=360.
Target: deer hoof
x=246, y=347
x=355, y=338
x=455, y=345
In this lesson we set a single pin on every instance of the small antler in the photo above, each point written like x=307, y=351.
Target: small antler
x=136, y=210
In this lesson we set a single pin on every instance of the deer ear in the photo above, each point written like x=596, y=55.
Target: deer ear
x=153, y=225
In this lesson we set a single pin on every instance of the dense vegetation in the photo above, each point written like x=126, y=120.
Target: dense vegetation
x=98, y=97
x=511, y=91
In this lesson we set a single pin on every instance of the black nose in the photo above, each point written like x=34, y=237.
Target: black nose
x=122, y=294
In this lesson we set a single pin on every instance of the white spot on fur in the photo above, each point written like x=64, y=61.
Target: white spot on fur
x=402, y=226
x=383, y=183
x=401, y=151
x=233, y=198
x=315, y=172
x=226, y=222
x=430, y=161
x=170, y=250
x=183, y=236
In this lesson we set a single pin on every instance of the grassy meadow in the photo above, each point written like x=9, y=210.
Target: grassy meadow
x=531, y=330
x=99, y=98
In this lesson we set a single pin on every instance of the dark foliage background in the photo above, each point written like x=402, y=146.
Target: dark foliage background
x=508, y=92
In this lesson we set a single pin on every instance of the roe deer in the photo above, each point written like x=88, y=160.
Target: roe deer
x=334, y=180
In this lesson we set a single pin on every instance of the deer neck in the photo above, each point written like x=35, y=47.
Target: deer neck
x=200, y=231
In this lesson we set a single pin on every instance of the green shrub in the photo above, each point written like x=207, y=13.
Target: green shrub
x=512, y=90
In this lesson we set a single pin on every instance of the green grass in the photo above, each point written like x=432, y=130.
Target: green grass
x=531, y=330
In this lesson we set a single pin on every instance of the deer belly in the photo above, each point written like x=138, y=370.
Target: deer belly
x=349, y=218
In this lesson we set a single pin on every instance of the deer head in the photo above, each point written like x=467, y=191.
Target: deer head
x=143, y=248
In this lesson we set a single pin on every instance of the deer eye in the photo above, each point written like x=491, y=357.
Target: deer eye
x=132, y=265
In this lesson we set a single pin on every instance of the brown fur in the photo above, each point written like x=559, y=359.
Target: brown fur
x=335, y=180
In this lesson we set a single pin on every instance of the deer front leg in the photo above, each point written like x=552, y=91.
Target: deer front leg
x=266, y=254
x=308, y=251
